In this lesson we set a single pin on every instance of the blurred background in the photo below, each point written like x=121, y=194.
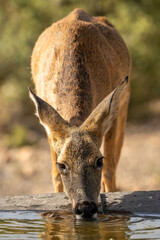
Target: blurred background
x=25, y=162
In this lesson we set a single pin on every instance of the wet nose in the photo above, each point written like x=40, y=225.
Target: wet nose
x=86, y=209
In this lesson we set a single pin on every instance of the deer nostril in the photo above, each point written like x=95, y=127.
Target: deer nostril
x=87, y=209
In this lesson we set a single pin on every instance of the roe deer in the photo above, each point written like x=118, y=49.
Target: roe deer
x=78, y=65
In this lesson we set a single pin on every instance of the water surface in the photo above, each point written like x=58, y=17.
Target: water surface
x=31, y=225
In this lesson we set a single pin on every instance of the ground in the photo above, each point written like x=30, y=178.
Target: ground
x=27, y=170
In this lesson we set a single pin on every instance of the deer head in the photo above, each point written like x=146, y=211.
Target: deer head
x=79, y=159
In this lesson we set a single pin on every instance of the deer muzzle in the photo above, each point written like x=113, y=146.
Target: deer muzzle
x=86, y=210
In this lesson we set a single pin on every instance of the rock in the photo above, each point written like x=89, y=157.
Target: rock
x=121, y=202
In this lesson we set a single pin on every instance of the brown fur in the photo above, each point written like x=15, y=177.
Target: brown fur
x=76, y=64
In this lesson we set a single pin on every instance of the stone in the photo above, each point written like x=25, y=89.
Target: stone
x=120, y=202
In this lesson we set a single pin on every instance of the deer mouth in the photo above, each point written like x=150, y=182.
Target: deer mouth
x=86, y=211
x=86, y=217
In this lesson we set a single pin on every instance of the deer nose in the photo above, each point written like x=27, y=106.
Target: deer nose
x=86, y=210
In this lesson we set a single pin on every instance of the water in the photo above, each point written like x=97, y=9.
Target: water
x=31, y=225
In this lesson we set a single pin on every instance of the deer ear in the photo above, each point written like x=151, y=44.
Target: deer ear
x=55, y=126
x=101, y=119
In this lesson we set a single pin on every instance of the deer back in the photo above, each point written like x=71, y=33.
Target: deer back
x=77, y=62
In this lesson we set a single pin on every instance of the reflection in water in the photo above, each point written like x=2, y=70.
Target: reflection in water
x=107, y=227
x=53, y=225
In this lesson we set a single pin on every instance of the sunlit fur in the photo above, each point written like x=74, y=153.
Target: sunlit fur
x=77, y=65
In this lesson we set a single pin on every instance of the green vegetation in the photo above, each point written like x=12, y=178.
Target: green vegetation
x=21, y=22
x=17, y=137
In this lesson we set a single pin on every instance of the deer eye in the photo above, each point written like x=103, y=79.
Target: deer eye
x=99, y=162
x=61, y=166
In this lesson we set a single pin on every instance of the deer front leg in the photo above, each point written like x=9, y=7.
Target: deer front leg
x=109, y=166
x=108, y=182
x=111, y=149
x=56, y=178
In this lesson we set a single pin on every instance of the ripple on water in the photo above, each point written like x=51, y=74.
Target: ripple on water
x=57, y=225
